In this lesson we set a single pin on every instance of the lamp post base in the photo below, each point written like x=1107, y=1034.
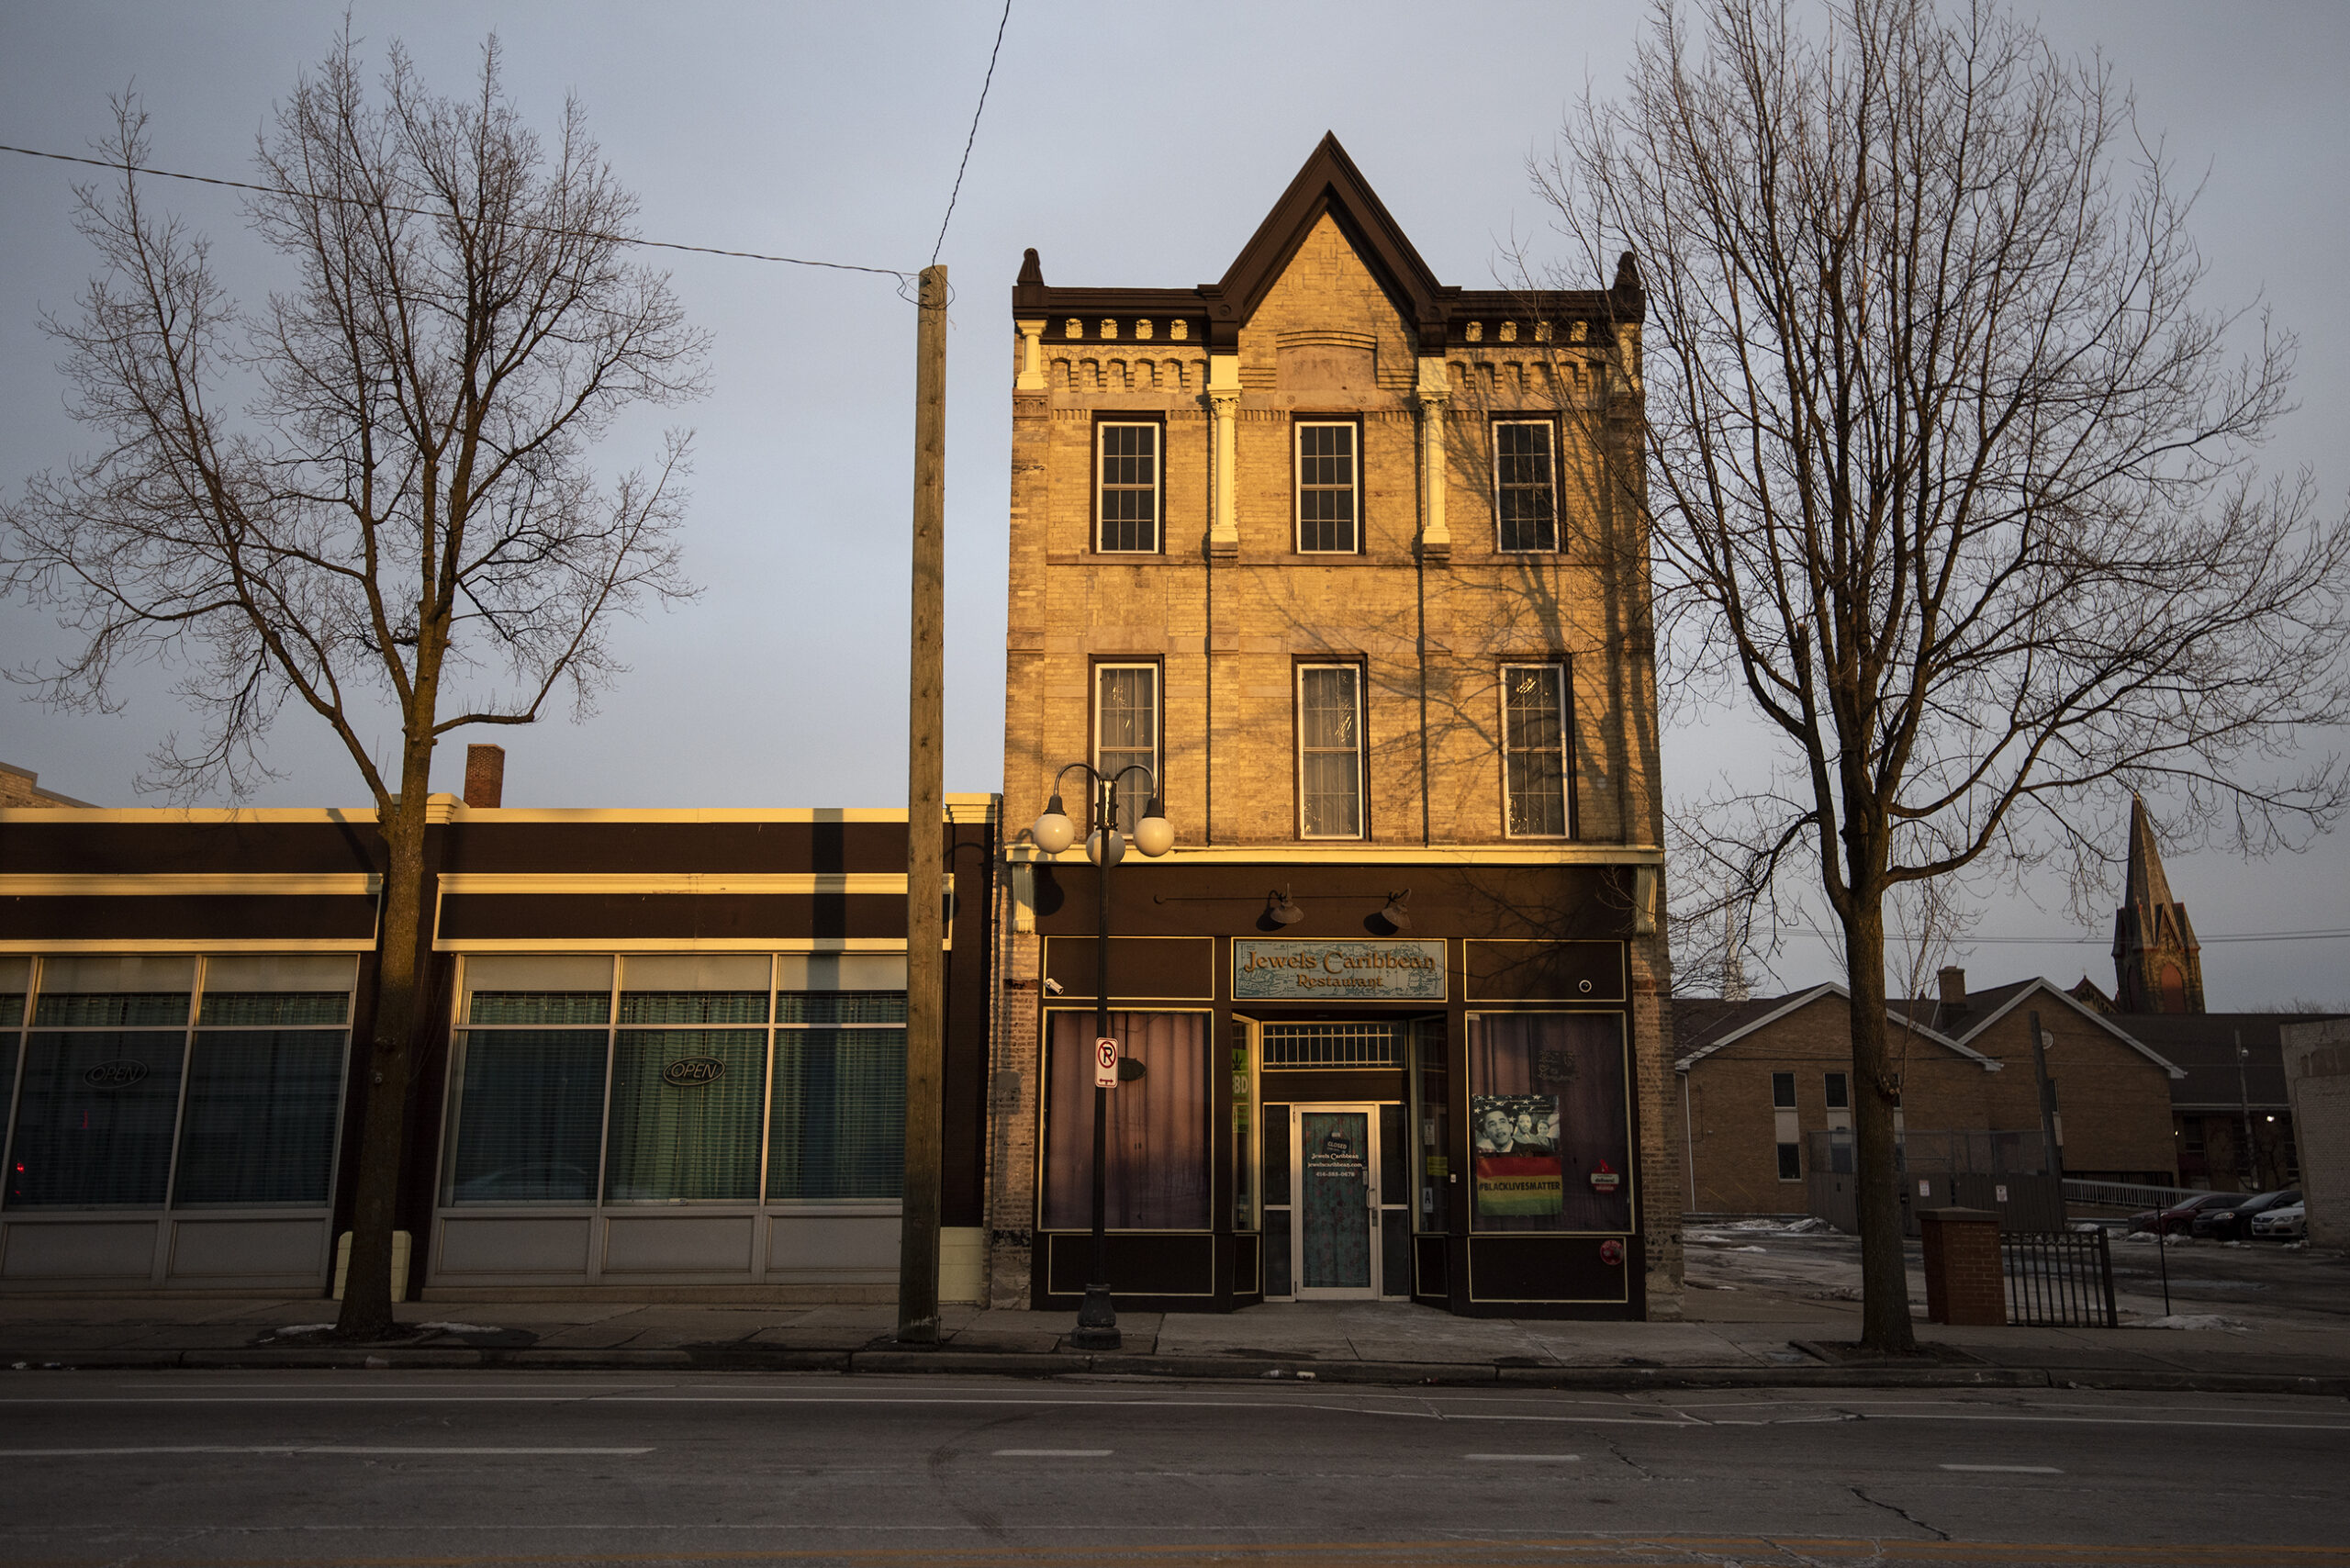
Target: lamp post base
x=1097, y=1322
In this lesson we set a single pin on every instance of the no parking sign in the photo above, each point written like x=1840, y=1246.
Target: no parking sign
x=1105, y=1063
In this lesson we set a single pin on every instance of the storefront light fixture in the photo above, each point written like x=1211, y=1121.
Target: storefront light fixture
x=1398, y=912
x=1280, y=910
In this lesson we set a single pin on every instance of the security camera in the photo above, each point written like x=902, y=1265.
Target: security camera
x=1052, y=986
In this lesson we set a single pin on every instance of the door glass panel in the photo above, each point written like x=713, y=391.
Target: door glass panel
x=1337, y=1160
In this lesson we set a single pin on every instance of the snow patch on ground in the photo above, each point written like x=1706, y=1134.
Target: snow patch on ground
x=458, y=1329
x=2197, y=1320
x=306, y=1329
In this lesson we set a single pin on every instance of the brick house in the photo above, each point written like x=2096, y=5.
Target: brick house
x=1759, y=1078
x=1343, y=560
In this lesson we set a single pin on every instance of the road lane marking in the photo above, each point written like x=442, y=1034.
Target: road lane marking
x=1054, y=1453
x=2006, y=1469
x=298, y=1447
x=1525, y=1458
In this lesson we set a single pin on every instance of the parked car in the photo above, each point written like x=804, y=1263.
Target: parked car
x=2285, y=1222
x=2175, y=1219
x=2234, y=1223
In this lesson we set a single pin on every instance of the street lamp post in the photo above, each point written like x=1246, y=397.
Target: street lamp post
x=1097, y=1320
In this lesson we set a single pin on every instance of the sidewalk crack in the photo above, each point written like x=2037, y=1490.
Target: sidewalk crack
x=1895, y=1508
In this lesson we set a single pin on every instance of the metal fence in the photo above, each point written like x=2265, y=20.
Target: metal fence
x=2125, y=1194
x=2058, y=1279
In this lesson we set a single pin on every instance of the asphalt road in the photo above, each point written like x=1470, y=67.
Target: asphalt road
x=452, y=1471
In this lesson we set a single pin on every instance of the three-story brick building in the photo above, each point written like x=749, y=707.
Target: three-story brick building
x=1345, y=567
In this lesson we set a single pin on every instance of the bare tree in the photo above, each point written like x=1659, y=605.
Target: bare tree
x=1950, y=473
x=401, y=514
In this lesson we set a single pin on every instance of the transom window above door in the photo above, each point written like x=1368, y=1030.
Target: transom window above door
x=1127, y=504
x=1328, y=479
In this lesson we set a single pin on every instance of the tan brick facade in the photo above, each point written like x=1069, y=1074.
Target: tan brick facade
x=1339, y=324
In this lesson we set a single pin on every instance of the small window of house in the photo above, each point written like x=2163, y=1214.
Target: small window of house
x=1329, y=750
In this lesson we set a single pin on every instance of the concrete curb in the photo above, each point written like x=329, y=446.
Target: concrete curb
x=886, y=1362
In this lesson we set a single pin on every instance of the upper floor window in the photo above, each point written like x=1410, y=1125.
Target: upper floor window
x=1125, y=732
x=1525, y=505
x=1329, y=750
x=1326, y=482
x=1128, y=462
x=1534, y=749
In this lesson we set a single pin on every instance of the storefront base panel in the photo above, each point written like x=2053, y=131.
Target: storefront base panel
x=837, y=1256
x=239, y=1254
x=655, y=1293
x=1149, y=1271
x=1530, y=1275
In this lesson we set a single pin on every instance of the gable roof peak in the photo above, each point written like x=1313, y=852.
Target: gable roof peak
x=1329, y=182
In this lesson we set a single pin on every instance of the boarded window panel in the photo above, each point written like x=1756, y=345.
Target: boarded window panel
x=93, y=1119
x=1547, y=1111
x=1158, y=1128
x=529, y=1117
x=679, y=1132
x=260, y=1118
x=838, y=1129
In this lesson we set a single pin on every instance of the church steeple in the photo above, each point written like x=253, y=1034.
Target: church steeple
x=2157, y=963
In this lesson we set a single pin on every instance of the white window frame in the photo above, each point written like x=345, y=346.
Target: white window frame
x=1130, y=810
x=1353, y=428
x=1566, y=781
x=1549, y=428
x=1362, y=803
x=1158, y=487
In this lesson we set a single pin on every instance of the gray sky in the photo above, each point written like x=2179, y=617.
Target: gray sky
x=1132, y=146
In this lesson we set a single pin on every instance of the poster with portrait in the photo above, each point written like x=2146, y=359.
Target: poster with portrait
x=1516, y=1148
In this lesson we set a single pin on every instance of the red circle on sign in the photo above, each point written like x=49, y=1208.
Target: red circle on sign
x=1611, y=1253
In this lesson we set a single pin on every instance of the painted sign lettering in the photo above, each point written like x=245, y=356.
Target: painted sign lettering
x=1314, y=971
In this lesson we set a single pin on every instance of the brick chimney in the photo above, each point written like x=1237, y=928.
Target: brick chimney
x=485, y=775
x=1953, y=979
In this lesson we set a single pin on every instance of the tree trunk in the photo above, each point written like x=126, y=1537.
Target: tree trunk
x=1885, y=1282
x=383, y=1139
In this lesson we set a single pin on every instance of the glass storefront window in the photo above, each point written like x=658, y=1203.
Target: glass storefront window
x=93, y=1117
x=116, y=1075
x=1158, y=1124
x=712, y=1073
x=838, y=1131
x=1432, y=1126
x=685, y=1118
x=1549, y=1123
x=261, y=1111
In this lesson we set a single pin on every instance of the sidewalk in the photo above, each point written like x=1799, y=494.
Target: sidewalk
x=1727, y=1338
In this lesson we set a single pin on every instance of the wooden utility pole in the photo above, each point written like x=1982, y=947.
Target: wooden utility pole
x=925, y=811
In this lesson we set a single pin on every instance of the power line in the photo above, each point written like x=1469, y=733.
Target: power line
x=967, y=140
x=2314, y=935
x=527, y=227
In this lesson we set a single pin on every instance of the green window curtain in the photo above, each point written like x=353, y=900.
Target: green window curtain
x=681, y=1130
x=93, y=1119
x=839, y=1125
x=529, y=1117
x=261, y=1115
x=273, y=1009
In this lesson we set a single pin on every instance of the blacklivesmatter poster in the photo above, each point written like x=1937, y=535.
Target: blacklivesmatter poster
x=1518, y=1171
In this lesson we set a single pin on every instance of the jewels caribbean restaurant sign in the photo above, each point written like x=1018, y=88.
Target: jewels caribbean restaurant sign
x=1316, y=971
